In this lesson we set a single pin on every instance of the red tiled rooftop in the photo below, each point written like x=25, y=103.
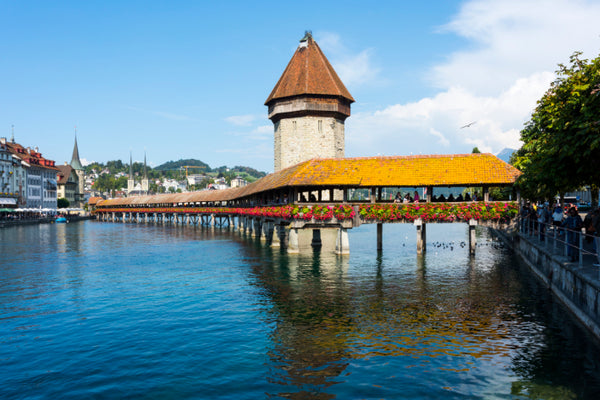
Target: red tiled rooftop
x=309, y=73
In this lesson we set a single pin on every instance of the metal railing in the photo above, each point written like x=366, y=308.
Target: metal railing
x=565, y=241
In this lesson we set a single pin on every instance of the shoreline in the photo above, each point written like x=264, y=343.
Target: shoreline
x=20, y=222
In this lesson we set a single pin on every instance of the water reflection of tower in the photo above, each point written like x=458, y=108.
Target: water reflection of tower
x=312, y=313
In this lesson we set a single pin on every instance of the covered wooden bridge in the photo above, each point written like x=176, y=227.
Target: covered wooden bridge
x=323, y=193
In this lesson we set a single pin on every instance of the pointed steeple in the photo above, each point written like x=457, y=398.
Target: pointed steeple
x=75, y=162
x=130, y=180
x=145, y=183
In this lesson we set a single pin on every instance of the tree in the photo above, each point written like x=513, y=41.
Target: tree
x=475, y=150
x=62, y=203
x=561, y=150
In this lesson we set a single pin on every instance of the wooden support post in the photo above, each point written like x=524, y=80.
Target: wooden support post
x=342, y=244
x=486, y=193
x=373, y=196
x=379, y=236
x=472, y=238
x=345, y=195
x=421, y=236
x=316, y=238
x=429, y=193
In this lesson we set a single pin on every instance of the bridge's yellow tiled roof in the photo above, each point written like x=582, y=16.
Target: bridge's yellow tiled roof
x=407, y=171
x=400, y=171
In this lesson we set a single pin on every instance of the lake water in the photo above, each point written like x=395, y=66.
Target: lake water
x=102, y=310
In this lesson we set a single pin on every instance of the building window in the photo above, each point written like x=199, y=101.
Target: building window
x=320, y=126
x=294, y=125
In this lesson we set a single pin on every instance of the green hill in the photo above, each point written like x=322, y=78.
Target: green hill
x=172, y=165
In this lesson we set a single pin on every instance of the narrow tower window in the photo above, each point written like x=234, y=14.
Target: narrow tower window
x=320, y=126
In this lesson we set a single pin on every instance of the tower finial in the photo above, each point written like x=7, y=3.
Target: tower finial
x=12, y=130
x=130, y=166
x=307, y=35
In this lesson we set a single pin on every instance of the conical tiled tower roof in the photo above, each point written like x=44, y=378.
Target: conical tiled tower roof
x=309, y=73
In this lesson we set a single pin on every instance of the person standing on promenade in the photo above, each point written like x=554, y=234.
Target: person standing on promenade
x=557, y=216
x=543, y=219
x=573, y=223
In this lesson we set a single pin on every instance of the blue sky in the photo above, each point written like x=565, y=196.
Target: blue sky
x=188, y=79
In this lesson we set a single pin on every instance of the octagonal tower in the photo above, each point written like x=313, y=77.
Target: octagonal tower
x=308, y=107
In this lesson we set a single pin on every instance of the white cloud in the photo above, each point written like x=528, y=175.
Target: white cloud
x=515, y=46
x=353, y=68
x=241, y=120
x=408, y=128
x=511, y=39
x=442, y=139
x=85, y=162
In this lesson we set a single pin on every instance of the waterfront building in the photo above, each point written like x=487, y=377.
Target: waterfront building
x=67, y=184
x=41, y=176
x=13, y=178
x=308, y=107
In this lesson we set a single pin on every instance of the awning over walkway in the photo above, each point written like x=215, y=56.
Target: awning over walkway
x=5, y=201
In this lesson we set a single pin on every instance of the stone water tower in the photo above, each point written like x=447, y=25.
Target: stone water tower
x=308, y=107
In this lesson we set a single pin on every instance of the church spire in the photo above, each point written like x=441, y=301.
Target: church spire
x=130, y=181
x=75, y=161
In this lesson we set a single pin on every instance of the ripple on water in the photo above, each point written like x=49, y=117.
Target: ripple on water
x=123, y=310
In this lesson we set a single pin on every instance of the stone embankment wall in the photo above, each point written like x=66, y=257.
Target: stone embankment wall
x=576, y=287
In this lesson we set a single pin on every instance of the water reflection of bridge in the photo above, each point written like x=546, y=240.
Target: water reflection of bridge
x=317, y=194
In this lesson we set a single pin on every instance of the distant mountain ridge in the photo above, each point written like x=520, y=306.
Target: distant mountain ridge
x=205, y=168
x=505, y=154
x=171, y=165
